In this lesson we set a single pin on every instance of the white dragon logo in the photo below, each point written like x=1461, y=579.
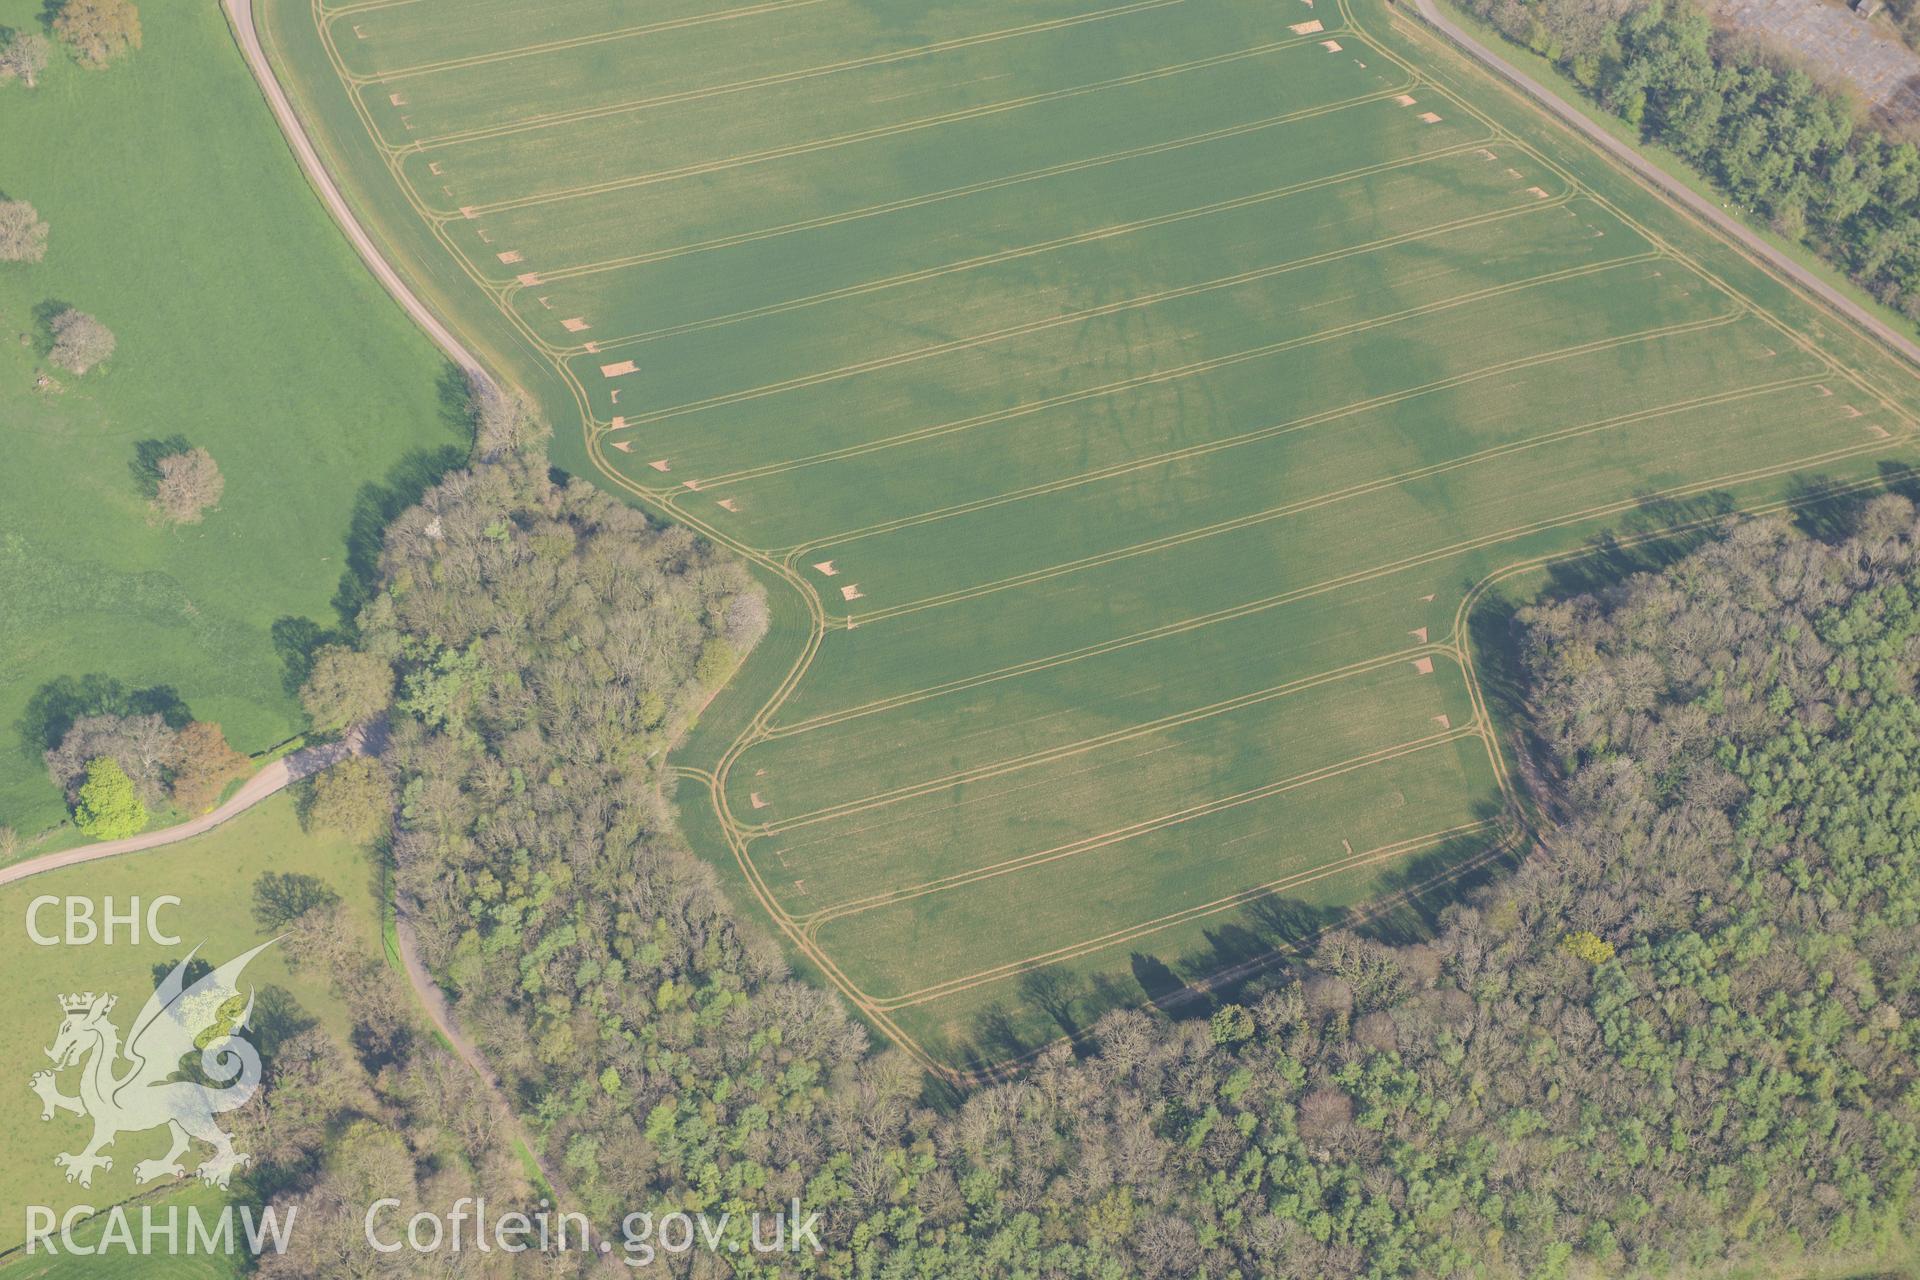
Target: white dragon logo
x=173, y=1023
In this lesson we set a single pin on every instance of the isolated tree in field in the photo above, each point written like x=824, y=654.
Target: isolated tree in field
x=346, y=688
x=144, y=747
x=190, y=483
x=108, y=807
x=23, y=237
x=98, y=31
x=504, y=422
x=353, y=798
x=205, y=765
x=281, y=897
x=79, y=341
x=24, y=56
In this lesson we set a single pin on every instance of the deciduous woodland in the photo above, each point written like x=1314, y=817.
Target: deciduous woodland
x=1138, y=409
x=1681, y=1034
x=1768, y=136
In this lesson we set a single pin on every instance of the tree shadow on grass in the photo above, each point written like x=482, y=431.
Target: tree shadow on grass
x=1271, y=935
x=58, y=703
x=1820, y=509
x=277, y=1018
x=1001, y=1036
x=1239, y=957
x=1494, y=631
x=374, y=507
x=998, y=1036
x=1821, y=506
x=146, y=461
x=1901, y=478
x=1652, y=536
x=1424, y=886
x=44, y=314
x=1264, y=938
x=197, y=968
x=281, y=897
x=1829, y=510
x=1055, y=992
x=1157, y=981
x=455, y=397
x=296, y=640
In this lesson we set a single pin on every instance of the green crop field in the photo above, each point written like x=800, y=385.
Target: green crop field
x=246, y=326
x=1129, y=405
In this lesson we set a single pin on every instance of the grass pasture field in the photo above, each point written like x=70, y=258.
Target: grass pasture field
x=245, y=326
x=213, y=876
x=114, y=1264
x=1128, y=403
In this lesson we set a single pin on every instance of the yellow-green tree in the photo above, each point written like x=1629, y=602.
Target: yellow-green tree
x=353, y=798
x=108, y=807
x=1586, y=945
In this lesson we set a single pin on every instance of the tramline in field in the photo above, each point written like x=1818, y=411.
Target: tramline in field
x=1131, y=402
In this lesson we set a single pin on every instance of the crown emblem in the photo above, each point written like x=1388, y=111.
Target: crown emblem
x=177, y=1019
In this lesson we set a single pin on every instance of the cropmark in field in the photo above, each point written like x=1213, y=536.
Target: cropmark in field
x=1128, y=401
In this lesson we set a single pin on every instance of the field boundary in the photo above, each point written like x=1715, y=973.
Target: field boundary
x=1676, y=194
x=819, y=623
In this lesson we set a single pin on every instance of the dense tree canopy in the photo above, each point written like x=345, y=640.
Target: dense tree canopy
x=353, y=798
x=505, y=421
x=206, y=764
x=345, y=688
x=1683, y=1032
x=336, y=1126
x=191, y=764
x=146, y=748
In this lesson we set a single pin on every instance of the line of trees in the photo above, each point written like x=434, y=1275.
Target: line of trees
x=96, y=32
x=1684, y=1033
x=1772, y=139
x=132, y=764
